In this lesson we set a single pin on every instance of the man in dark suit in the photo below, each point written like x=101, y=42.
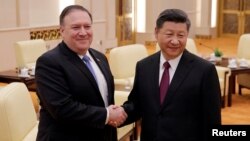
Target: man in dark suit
x=75, y=86
x=192, y=102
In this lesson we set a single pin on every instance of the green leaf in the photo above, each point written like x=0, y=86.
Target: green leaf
x=217, y=52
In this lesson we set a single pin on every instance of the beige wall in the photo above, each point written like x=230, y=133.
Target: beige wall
x=156, y=6
x=8, y=37
x=43, y=12
x=8, y=15
x=18, y=17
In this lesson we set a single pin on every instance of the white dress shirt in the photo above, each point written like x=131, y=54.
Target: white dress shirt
x=101, y=81
x=173, y=65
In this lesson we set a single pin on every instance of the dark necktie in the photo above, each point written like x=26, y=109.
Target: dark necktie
x=164, y=82
x=86, y=59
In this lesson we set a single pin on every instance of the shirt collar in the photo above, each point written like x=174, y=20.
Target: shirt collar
x=88, y=54
x=173, y=62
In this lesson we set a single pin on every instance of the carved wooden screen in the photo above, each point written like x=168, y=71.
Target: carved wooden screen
x=234, y=17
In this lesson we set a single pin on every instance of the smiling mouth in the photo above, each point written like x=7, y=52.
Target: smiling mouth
x=83, y=39
x=174, y=48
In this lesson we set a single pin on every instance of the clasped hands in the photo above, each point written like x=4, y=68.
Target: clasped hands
x=117, y=115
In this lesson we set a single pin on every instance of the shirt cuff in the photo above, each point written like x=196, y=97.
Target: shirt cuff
x=107, y=117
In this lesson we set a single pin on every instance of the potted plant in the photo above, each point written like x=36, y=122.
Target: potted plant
x=218, y=54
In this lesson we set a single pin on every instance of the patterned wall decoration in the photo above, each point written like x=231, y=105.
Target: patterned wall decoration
x=247, y=24
x=234, y=17
x=230, y=23
x=46, y=34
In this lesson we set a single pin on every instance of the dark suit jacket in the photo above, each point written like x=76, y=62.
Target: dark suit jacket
x=72, y=108
x=191, y=106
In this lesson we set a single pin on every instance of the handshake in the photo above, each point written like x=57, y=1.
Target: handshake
x=117, y=115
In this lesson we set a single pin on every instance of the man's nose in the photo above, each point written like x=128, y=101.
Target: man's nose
x=175, y=40
x=82, y=31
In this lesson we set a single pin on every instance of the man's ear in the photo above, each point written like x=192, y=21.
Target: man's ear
x=156, y=33
x=61, y=29
x=156, y=30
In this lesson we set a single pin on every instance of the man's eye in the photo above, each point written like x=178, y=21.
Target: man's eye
x=87, y=27
x=181, y=36
x=75, y=27
x=168, y=34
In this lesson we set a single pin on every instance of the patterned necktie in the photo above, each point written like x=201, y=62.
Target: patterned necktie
x=86, y=59
x=164, y=82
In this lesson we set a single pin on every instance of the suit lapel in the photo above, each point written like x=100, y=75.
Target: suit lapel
x=181, y=73
x=100, y=65
x=74, y=59
x=103, y=69
x=154, y=67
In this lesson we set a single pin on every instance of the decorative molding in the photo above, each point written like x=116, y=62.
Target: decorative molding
x=203, y=36
x=17, y=13
x=46, y=34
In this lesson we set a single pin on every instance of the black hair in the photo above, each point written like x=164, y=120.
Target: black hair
x=172, y=15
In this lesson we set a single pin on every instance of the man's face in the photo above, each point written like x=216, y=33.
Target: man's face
x=172, y=38
x=76, y=31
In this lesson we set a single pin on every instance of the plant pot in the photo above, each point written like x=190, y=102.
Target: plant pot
x=218, y=58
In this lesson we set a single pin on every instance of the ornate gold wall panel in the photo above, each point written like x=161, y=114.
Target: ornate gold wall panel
x=125, y=22
x=46, y=34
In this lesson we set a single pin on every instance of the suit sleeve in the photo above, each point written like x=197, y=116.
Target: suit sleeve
x=131, y=106
x=211, y=97
x=55, y=95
